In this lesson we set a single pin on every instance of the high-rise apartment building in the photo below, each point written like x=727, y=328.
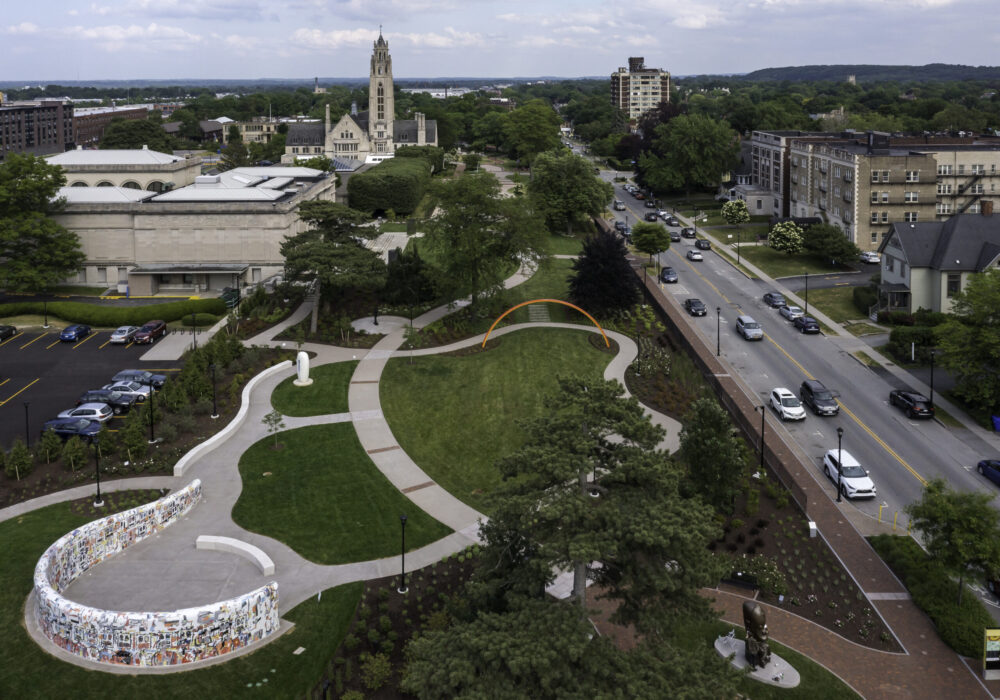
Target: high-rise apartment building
x=38, y=127
x=636, y=90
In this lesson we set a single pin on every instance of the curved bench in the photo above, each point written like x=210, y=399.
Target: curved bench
x=239, y=548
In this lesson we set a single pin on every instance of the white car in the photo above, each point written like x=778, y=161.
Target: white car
x=100, y=412
x=123, y=334
x=791, y=312
x=140, y=391
x=870, y=256
x=694, y=255
x=787, y=405
x=854, y=481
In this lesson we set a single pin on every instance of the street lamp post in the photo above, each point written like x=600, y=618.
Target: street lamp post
x=98, y=501
x=807, y=294
x=27, y=435
x=194, y=333
x=933, y=352
x=215, y=405
x=45, y=311
x=763, y=425
x=152, y=437
x=718, y=331
x=738, y=242
x=402, y=554
x=840, y=464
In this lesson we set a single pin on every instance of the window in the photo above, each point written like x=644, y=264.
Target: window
x=874, y=237
x=890, y=264
x=944, y=170
x=836, y=171
x=848, y=175
x=885, y=176
x=885, y=217
x=902, y=268
x=976, y=189
x=943, y=208
x=909, y=216
x=885, y=198
x=944, y=189
x=954, y=283
x=875, y=175
x=913, y=176
x=874, y=197
x=961, y=169
x=874, y=217
x=910, y=196
x=102, y=275
x=836, y=211
x=978, y=170
x=836, y=191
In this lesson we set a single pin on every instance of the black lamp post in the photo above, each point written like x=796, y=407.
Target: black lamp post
x=98, y=501
x=933, y=352
x=45, y=311
x=807, y=294
x=718, y=331
x=152, y=437
x=27, y=435
x=840, y=464
x=738, y=241
x=194, y=333
x=763, y=415
x=215, y=407
x=402, y=553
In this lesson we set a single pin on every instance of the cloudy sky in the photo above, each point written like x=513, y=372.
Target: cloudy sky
x=48, y=40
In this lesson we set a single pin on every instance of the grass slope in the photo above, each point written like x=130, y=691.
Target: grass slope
x=327, y=393
x=325, y=499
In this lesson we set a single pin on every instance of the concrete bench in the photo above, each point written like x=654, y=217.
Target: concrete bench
x=238, y=547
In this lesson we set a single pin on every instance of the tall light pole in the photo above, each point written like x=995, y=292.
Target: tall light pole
x=152, y=437
x=840, y=464
x=738, y=242
x=45, y=311
x=933, y=352
x=98, y=501
x=402, y=554
x=718, y=331
x=27, y=435
x=194, y=333
x=215, y=407
x=807, y=294
x=763, y=415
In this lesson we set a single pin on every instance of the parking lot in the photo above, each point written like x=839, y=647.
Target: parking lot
x=50, y=375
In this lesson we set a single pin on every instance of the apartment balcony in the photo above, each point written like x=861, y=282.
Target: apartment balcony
x=821, y=186
x=848, y=196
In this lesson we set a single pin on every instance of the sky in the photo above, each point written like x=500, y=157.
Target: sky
x=245, y=39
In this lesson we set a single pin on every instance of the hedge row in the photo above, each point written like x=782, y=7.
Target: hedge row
x=901, y=339
x=432, y=154
x=103, y=316
x=397, y=184
x=936, y=593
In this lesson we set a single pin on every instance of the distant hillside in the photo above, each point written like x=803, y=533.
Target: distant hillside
x=867, y=73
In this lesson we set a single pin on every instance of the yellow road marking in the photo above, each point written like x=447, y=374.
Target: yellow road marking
x=57, y=341
x=105, y=343
x=12, y=338
x=707, y=281
x=33, y=340
x=92, y=335
x=11, y=397
x=4, y=381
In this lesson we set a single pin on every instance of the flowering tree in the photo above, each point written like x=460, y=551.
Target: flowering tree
x=786, y=236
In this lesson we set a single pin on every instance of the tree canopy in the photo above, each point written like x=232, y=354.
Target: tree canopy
x=603, y=282
x=136, y=133
x=688, y=152
x=650, y=238
x=735, y=212
x=830, y=243
x=715, y=457
x=785, y=236
x=531, y=129
x=565, y=191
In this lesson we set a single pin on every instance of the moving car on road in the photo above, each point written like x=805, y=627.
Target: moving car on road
x=915, y=405
x=774, y=299
x=668, y=275
x=68, y=427
x=703, y=244
x=672, y=221
x=150, y=331
x=990, y=468
x=786, y=405
x=650, y=217
x=101, y=412
x=694, y=255
x=76, y=332
x=806, y=324
x=748, y=328
x=817, y=397
x=619, y=205
x=687, y=232
x=695, y=307
x=854, y=481
x=123, y=335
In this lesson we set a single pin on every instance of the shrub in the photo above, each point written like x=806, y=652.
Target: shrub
x=74, y=453
x=353, y=695
x=398, y=184
x=19, y=461
x=104, y=316
x=864, y=298
x=49, y=446
x=167, y=431
x=186, y=423
x=202, y=407
x=753, y=502
x=895, y=318
x=351, y=642
x=902, y=339
x=375, y=671
x=926, y=317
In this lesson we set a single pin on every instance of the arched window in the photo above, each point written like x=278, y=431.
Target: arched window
x=155, y=186
x=132, y=185
x=79, y=184
x=105, y=183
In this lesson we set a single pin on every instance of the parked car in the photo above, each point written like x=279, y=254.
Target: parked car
x=817, y=397
x=791, y=312
x=7, y=332
x=748, y=328
x=150, y=331
x=870, y=257
x=123, y=334
x=651, y=216
x=675, y=237
x=101, y=412
x=139, y=391
x=141, y=376
x=672, y=221
x=688, y=232
x=68, y=427
x=703, y=244
x=668, y=275
x=806, y=324
x=119, y=402
x=619, y=205
x=695, y=307
x=662, y=213
x=915, y=405
x=774, y=299
x=76, y=332
x=620, y=226
x=694, y=255
x=638, y=195
x=651, y=204
x=990, y=468
x=854, y=480
x=786, y=405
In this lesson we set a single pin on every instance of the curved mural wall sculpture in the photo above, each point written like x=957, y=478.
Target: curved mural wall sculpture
x=141, y=638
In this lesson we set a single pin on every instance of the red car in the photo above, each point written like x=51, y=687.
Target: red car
x=151, y=331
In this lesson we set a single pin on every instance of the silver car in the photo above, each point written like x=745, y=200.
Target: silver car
x=791, y=312
x=100, y=412
x=140, y=391
x=123, y=334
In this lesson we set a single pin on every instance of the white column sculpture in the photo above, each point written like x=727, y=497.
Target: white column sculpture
x=302, y=365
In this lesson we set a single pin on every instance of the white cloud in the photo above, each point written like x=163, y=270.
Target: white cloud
x=23, y=28
x=451, y=38
x=328, y=40
x=114, y=37
x=240, y=10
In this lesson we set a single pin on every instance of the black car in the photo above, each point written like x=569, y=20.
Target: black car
x=675, y=237
x=620, y=226
x=119, y=402
x=703, y=244
x=990, y=468
x=651, y=216
x=774, y=299
x=915, y=405
x=806, y=324
x=7, y=332
x=695, y=307
x=68, y=427
x=688, y=232
x=140, y=376
x=668, y=275
x=816, y=396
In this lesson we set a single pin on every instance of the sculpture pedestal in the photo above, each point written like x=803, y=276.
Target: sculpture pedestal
x=302, y=382
x=777, y=672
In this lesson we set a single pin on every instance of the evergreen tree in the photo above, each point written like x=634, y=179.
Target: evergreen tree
x=603, y=282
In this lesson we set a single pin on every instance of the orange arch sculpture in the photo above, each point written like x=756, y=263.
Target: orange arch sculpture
x=554, y=301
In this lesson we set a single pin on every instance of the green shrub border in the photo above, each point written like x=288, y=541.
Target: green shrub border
x=936, y=593
x=103, y=316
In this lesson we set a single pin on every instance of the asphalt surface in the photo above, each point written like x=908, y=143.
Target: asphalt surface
x=49, y=375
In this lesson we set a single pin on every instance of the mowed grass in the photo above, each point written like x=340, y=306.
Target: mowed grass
x=29, y=672
x=550, y=281
x=325, y=498
x=566, y=245
x=776, y=264
x=835, y=302
x=327, y=393
x=456, y=415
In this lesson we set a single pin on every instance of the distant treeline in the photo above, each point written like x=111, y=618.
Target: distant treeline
x=871, y=73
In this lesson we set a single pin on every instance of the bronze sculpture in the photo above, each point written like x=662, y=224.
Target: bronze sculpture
x=758, y=653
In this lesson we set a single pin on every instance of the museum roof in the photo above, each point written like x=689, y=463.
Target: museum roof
x=131, y=156
x=103, y=195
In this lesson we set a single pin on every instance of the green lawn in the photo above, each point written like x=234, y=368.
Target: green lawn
x=835, y=302
x=565, y=245
x=325, y=499
x=455, y=416
x=548, y=282
x=327, y=393
x=29, y=672
x=776, y=264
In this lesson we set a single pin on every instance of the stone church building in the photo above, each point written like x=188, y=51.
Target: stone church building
x=362, y=137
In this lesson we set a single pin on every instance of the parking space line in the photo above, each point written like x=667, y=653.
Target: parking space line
x=57, y=341
x=33, y=340
x=105, y=343
x=5, y=381
x=92, y=335
x=11, y=339
x=11, y=397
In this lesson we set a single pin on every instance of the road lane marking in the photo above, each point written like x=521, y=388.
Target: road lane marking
x=33, y=340
x=12, y=338
x=56, y=342
x=105, y=343
x=4, y=381
x=92, y=335
x=11, y=397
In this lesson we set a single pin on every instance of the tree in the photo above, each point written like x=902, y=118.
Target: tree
x=233, y=134
x=735, y=212
x=970, y=341
x=714, y=455
x=531, y=129
x=35, y=251
x=960, y=529
x=316, y=163
x=565, y=191
x=136, y=133
x=472, y=161
x=409, y=279
x=603, y=282
x=830, y=243
x=49, y=446
x=650, y=238
x=478, y=236
x=689, y=151
x=19, y=461
x=274, y=422
x=74, y=453
x=786, y=236
x=235, y=155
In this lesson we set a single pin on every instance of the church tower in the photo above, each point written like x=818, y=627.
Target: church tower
x=381, y=104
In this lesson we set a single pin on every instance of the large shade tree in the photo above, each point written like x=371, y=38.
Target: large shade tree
x=565, y=191
x=689, y=152
x=531, y=129
x=603, y=282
